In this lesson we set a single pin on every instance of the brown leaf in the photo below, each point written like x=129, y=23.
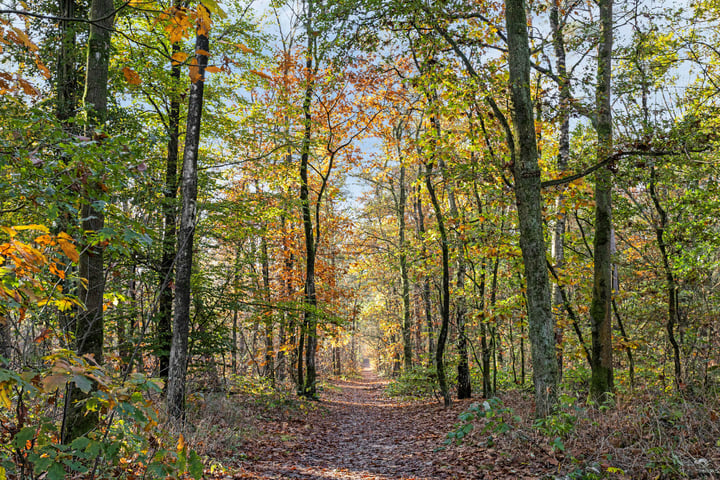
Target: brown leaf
x=131, y=76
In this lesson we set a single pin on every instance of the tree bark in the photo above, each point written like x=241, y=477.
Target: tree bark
x=526, y=174
x=169, y=241
x=464, y=388
x=558, y=235
x=269, y=371
x=445, y=293
x=425, y=288
x=89, y=327
x=672, y=288
x=181, y=319
x=601, y=382
x=309, y=330
x=406, y=325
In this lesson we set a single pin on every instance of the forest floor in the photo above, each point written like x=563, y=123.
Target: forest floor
x=357, y=432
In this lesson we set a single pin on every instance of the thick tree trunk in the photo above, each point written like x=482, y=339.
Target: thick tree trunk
x=188, y=217
x=526, y=174
x=169, y=242
x=601, y=382
x=89, y=328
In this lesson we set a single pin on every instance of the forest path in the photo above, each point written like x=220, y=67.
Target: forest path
x=359, y=433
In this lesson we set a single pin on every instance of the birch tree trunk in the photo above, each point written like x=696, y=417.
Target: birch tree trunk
x=169, y=245
x=181, y=319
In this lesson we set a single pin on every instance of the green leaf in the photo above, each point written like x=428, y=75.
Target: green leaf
x=22, y=437
x=214, y=8
x=80, y=443
x=196, y=465
x=56, y=472
x=82, y=382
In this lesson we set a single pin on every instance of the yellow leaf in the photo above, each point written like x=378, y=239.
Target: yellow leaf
x=42, y=228
x=63, y=304
x=179, y=57
x=4, y=399
x=181, y=443
x=3, y=475
x=131, y=76
x=24, y=39
x=11, y=232
x=213, y=69
x=200, y=51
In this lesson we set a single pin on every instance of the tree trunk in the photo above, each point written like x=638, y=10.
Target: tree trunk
x=169, y=242
x=445, y=293
x=526, y=174
x=425, y=289
x=309, y=314
x=464, y=387
x=406, y=325
x=89, y=328
x=269, y=371
x=601, y=382
x=672, y=287
x=558, y=234
x=181, y=319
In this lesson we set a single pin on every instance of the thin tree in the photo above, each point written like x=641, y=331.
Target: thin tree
x=181, y=319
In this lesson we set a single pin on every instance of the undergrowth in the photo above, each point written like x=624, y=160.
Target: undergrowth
x=419, y=382
x=655, y=435
x=226, y=426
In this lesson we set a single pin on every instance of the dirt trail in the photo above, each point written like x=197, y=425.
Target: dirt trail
x=359, y=433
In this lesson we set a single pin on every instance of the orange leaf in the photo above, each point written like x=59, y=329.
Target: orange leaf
x=27, y=87
x=67, y=247
x=131, y=76
x=203, y=20
x=213, y=69
x=200, y=51
x=194, y=71
x=244, y=48
x=261, y=74
x=43, y=69
x=179, y=57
